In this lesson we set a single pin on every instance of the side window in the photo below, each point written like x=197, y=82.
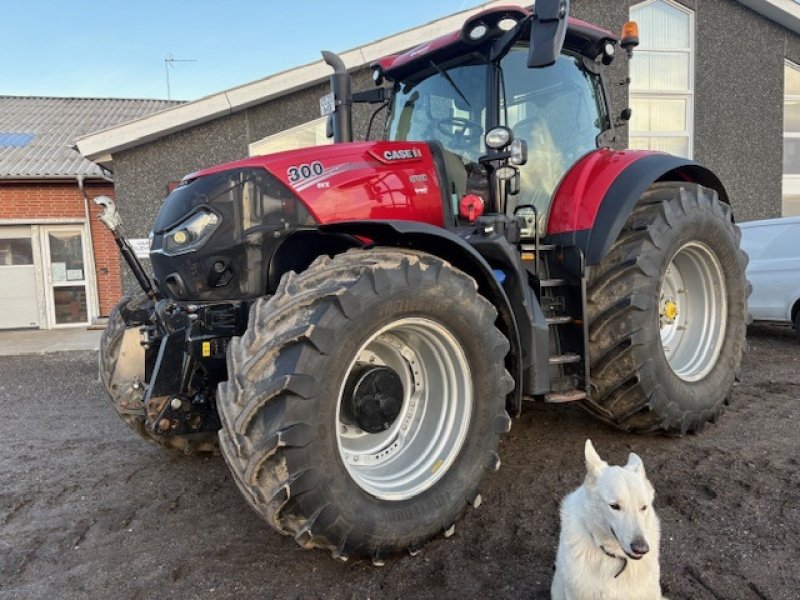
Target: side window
x=558, y=111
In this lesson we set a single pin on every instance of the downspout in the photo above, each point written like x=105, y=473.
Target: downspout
x=92, y=266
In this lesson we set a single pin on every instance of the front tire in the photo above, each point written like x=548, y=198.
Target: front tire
x=365, y=402
x=667, y=313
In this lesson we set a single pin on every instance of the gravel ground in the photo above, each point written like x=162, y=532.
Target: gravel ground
x=88, y=510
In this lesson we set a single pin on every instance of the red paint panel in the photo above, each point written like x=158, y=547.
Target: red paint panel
x=578, y=23
x=397, y=60
x=357, y=181
x=582, y=190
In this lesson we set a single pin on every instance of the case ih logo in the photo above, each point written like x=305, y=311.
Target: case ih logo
x=404, y=154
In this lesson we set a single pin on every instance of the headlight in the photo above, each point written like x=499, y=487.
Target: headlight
x=191, y=233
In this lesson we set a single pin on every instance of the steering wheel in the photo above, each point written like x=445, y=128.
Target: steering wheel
x=460, y=130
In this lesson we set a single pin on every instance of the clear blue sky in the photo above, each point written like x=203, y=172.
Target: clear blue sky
x=116, y=48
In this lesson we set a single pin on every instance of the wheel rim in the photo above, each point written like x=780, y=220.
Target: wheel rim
x=693, y=311
x=421, y=443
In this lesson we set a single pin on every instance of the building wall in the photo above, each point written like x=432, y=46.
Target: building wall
x=141, y=175
x=32, y=202
x=738, y=113
x=738, y=125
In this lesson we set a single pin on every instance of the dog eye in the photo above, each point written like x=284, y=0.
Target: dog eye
x=644, y=507
x=615, y=506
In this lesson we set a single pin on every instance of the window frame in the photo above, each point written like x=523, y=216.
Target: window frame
x=253, y=147
x=788, y=180
x=657, y=94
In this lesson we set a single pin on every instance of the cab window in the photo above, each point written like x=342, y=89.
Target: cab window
x=444, y=103
x=559, y=111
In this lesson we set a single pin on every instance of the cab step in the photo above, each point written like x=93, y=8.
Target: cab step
x=551, y=283
x=560, y=320
x=565, y=359
x=540, y=247
x=564, y=397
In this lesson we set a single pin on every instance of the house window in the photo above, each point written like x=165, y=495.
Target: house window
x=662, y=78
x=791, y=140
x=303, y=136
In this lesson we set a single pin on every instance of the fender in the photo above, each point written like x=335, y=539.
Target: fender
x=450, y=247
x=597, y=195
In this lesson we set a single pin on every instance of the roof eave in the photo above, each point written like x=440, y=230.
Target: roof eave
x=782, y=12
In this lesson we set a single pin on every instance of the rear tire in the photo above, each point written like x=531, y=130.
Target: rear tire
x=127, y=390
x=667, y=313
x=298, y=454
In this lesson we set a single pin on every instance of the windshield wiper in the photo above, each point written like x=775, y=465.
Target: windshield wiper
x=450, y=81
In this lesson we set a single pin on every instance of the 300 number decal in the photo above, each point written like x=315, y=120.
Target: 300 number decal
x=301, y=172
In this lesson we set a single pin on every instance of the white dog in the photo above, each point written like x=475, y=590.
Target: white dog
x=608, y=549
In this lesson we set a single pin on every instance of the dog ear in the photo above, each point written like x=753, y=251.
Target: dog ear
x=635, y=464
x=594, y=464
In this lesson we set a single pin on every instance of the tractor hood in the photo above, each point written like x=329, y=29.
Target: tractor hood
x=364, y=180
x=215, y=233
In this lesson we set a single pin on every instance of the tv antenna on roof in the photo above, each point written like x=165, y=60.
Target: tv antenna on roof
x=169, y=61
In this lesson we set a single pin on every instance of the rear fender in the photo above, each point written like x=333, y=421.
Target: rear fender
x=453, y=249
x=596, y=197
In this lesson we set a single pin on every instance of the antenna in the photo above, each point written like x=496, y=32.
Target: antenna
x=169, y=62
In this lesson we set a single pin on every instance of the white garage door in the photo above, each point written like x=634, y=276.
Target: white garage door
x=18, y=305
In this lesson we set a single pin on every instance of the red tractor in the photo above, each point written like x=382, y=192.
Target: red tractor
x=357, y=323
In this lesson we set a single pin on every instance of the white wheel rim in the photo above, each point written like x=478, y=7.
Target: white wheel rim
x=423, y=441
x=693, y=311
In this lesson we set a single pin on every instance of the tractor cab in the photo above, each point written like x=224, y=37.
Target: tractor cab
x=454, y=91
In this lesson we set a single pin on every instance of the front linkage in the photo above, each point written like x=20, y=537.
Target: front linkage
x=184, y=348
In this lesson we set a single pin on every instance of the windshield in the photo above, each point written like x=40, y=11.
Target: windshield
x=444, y=103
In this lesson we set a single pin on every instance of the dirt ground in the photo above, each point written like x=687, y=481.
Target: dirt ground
x=88, y=510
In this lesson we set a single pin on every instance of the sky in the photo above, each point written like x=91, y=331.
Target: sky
x=115, y=48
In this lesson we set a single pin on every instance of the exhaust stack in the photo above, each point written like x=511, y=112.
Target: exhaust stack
x=341, y=88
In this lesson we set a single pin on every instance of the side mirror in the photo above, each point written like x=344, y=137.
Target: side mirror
x=548, y=31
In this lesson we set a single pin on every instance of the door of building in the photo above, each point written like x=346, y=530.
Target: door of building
x=66, y=286
x=18, y=300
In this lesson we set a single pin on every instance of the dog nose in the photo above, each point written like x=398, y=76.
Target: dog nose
x=639, y=546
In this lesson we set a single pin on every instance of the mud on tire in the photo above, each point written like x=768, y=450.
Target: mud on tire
x=280, y=433
x=127, y=394
x=636, y=318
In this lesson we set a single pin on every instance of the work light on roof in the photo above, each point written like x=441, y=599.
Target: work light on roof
x=478, y=32
x=507, y=24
